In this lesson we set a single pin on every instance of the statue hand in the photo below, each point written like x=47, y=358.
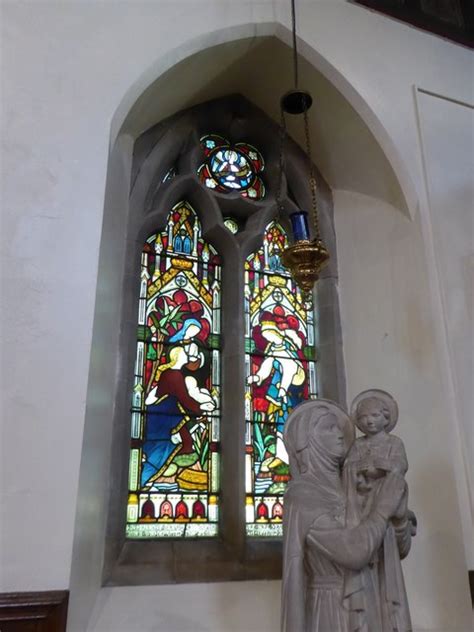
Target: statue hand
x=362, y=485
x=401, y=512
x=413, y=522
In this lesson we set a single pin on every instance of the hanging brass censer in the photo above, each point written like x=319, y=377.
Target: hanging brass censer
x=305, y=257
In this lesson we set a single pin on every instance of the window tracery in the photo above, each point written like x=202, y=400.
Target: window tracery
x=232, y=226
x=229, y=168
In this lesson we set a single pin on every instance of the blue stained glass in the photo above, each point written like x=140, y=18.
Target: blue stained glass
x=232, y=168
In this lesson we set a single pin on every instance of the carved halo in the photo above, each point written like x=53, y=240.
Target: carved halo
x=317, y=408
x=383, y=396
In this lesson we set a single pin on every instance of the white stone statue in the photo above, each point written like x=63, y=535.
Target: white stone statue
x=330, y=568
x=370, y=459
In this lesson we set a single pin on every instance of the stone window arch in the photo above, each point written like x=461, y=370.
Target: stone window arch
x=166, y=161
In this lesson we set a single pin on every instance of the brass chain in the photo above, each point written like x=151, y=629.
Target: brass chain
x=281, y=163
x=312, y=180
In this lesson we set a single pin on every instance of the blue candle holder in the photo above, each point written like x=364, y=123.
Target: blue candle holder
x=299, y=224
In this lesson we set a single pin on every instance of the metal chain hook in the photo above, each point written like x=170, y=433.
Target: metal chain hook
x=312, y=178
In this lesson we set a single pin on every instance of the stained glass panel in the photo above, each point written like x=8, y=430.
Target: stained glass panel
x=231, y=225
x=175, y=413
x=281, y=373
x=230, y=168
x=170, y=174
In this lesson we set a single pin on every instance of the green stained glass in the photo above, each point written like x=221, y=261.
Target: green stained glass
x=134, y=463
x=232, y=225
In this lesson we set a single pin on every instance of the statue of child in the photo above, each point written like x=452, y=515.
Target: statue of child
x=370, y=459
x=372, y=456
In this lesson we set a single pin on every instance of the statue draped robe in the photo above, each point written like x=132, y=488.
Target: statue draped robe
x=383, y=578
x=327, y=583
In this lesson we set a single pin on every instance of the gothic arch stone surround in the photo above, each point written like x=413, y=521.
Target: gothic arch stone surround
x=176, y=142
x=134, y=114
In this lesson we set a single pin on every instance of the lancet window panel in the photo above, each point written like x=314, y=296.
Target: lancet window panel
x=174, y=472
x=281, y=373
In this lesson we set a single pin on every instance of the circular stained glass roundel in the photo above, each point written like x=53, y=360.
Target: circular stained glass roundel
x=232, y=169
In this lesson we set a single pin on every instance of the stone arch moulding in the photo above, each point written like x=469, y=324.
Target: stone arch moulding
x=233, y=555
x=123, y=123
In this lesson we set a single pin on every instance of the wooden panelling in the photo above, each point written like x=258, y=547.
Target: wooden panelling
x=34, y=611
x=453, y=19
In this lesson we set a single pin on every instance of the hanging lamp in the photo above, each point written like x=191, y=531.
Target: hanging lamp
x=306, y=256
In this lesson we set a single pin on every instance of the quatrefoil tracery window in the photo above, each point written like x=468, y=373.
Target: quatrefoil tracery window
x=230, y=168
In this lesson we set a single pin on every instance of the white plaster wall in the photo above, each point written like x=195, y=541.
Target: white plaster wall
x=260, y=68
x=448, y=154
x=389, y=343
x=66, y=67
x=228, y=607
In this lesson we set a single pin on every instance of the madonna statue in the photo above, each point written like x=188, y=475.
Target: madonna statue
x=329, y=583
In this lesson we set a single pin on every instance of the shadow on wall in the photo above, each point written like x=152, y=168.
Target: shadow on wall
x=349, y=150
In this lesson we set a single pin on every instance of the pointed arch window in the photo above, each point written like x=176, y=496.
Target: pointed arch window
x=175, y=416
x=218, y=347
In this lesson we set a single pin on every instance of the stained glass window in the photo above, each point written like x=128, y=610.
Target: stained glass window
x=170, y=174
x=229, y=168
x=281, y=373
x=174, y=456
x=231, y=225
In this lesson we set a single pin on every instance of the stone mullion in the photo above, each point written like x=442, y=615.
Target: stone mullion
x=233, y=402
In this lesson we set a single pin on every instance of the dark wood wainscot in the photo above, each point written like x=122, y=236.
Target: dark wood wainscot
x=453, y=19
x=34, y=611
